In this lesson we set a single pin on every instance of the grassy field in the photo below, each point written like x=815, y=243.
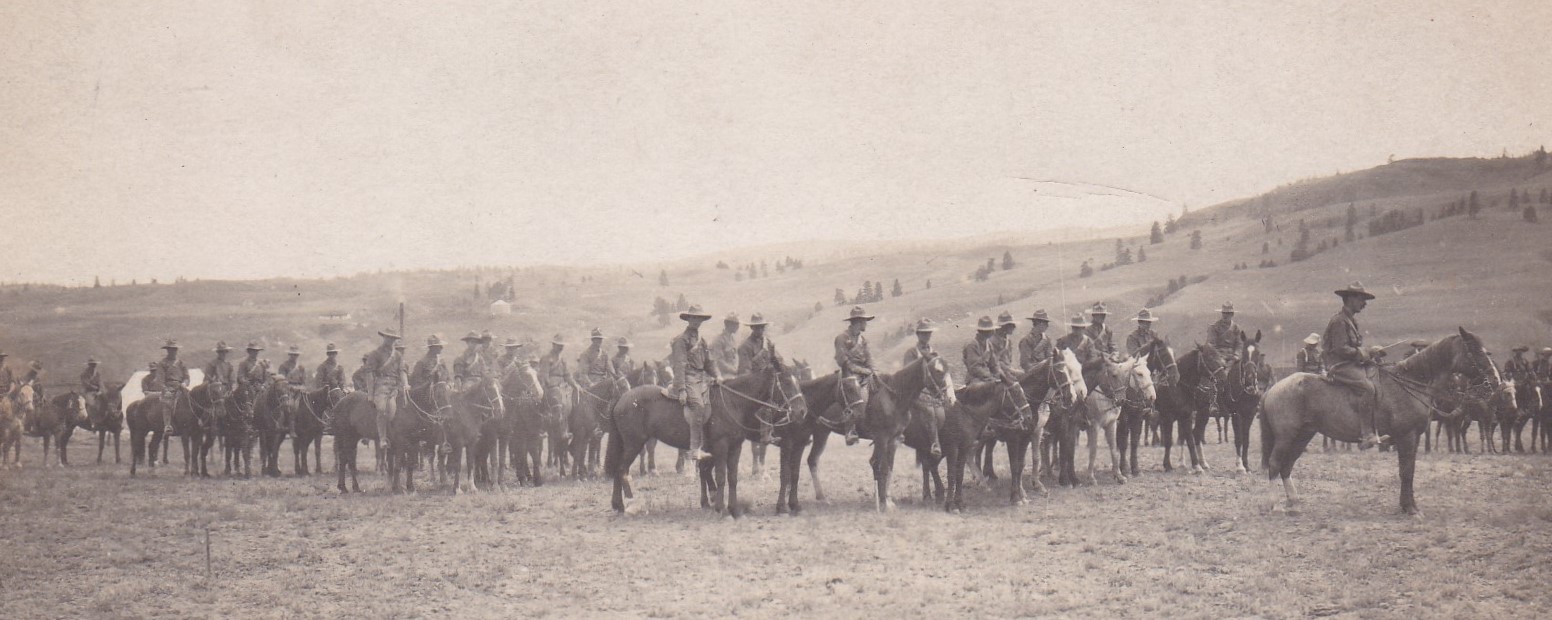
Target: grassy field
x=88, y=541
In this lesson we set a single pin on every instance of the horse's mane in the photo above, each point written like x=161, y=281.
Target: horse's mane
x=1437, y=357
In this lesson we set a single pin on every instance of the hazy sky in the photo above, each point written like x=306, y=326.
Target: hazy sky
x=229, y=139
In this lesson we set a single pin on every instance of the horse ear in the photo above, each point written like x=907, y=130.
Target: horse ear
x=1258, y=336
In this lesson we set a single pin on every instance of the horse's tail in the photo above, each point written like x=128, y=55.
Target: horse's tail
x=614, y=453
x=1268, y=439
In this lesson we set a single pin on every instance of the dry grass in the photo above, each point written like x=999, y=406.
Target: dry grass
x=89, y=541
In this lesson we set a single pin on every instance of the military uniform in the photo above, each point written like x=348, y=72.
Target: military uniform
x=330, y=375
x=1517, y=369
x=360, y=379
x=981, y=362
x=1138, y=339
x=1342, y=353
x=724, y=351
x=220, y=376
x=1100, y=338
x=1002, y=347
x=595, y=363
x=1224, y=335
x=624, y=366
x=694, y=370
x=1080, y=345
x=932, y=398
x=7, y=379
x=756, y=354
x=1034, y=348
x=1542, y=369
x=470, y=367
x=91, y=385
x=384, y=367
x=556, y=375
x=294, y=372
x=429, y=370
x=1308, y=359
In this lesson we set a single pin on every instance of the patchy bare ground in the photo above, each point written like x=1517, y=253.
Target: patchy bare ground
x=88, y=541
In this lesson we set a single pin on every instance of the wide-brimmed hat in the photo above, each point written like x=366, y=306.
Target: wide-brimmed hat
x=1355, y=289
x=486, y=336
x=1098, y=310
x=330, y=349
x=623, y=342
x=293, y=350
x=511, y=343
x=732, y=317
x=1520, y=349
x=694, y=312
x=756, y=320
x=598, y=334
x=253, y=345
x=35, y=365
x=389, y=333
x=170, y=344
x=471, y=337
x=558, y=339
x=1546, y=350
x=1078, y=321
x=1228, y=308
x=1040, y=315
x=985, y=324
x=221, y=346
x=858, y=314
x=1313, y=338
x=1144, y=316
x=433, y=341
x=925, y=326
x=90, y=361
x=4, y=354
x=1005, y=319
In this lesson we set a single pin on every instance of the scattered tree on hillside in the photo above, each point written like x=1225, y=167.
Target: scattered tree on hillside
x=1392, y=221
x=662, y=278
x=1514, y=200
x=1085, y=270
x=897, y=290
x=680, y=305
x=1169, y=223
x=840, y=297
x=1155, y=234
x=981, y=273
x=722, y=264
x=818, y=307
x=1529, y=214
x=1352, y=222
x=1142, y=255
x=1541, y=157
x=929, y=285
x=1196, y=239
x=1266, y=247
x=738, y=276
x=1007, y=260
x=96, y=282
x=1472, y=206
x=1267, y=226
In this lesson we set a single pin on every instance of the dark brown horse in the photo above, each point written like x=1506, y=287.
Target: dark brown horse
x=1302, y=404
x=1138, y=423
x=558, y=408
x=197, y=415
x=421, y=420
x=11, y=414
x=645, y=412
x=1183, y=404
x=105, y=416
x=524, y=397
x=308, y=420
x=273, y=413
x=146, y=418
x=473, y=408
x=55, y=422
x=659, y=374
x=1527, y=400
x=352, y=421
x=586, y=424
x=1239, y=396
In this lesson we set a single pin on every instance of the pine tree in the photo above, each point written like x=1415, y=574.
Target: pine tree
x=96, y=282
x=818, y=307
x=897, y=290
x=840, y=297
x=1196, y=239
x=1156, y=235
x=1352, y=222
x=1266, y=247
x=991, y=265
x=1529, y=214
x=1142, y=255
x=929, y=285
x=1007, y=260
x=1169, y=223
x=681, y=304
x=1085, y=270
x=662, y=278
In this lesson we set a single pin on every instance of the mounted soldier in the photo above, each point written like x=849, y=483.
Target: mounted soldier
x=430, y=370
x=1077, y=340
x=595, y=363
x=724, y=348
x=1308, y=358
x=487, y=344
x=622, y=360
x=359, y=379
x=511, y=359
x=471, y=365
x=1036, y=346
x=559, y=385
x=292, y=369
x=91, y=384
x=694, y=373
x=220, y=376
x=252, y=372
x=932, y=399
x=856, y=367
x=983, y=364
x=1225, y=335
x=758, y=354
x=385, y=377
x=330, y=375
x=6, y=378
x=1517, y=368
x=1346, y=360
x=1002, y=341
x=34, y=368
x=1100, y=336
x=1542, y=369
x=1143, y=335
x=171, y=378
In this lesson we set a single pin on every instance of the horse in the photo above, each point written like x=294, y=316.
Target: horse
x=11, y=429
x=1527, y=399
x=558, y=407
x=353, y=420
x=659, y=374
x=105, y=417
x=1494, y=413
x=1138, y=424
x=273, y=412
x=1240, y=396
x=586, y=424
x=473, y=407
x=1541, y=421
x=804, y=372
x=1183, y=402
x=147, y=416
x=1302, y=404
x=1057, y=382
x=55, y=422
x=1116, y=384
x=524, y=395
x=308, y=421
x=196, y=418
x=421, y=420
x=645, y=411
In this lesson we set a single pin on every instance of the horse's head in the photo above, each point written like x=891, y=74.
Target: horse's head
x=1069, y=386
x=25, y=399
x=524, y=381
x=1161, y=360
x=1504, y=397
x=73, y=407
x=789, y=394
x=1472, y=360
x=1212, y=362
x=112, y=400
x=1139, y=381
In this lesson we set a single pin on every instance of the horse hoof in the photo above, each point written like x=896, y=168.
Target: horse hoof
x=1021, y=502
x=1120, y=479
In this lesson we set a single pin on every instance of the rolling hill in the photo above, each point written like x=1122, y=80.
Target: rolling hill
x=1490, y=274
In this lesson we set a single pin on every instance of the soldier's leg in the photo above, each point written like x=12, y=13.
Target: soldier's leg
x=171, y=398
x=856, y=403
x=383, y=401
x=695, y=413
x=934, y=411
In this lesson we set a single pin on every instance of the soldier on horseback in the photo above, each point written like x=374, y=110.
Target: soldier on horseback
x=1143, y=335
x=1078, y=340
x=429, y=369
x=724, y=349
x=1347, y=361
x=1542, y=367
x=1308, y=359
x=1002, y=340
x=596, y=364
x=292, y=370
x=171, y=378
x=6, y=378
x=385, y=378
x=510, y=360
x=757, y=354
x=856, y=368
x=559, y=386
x=1100, y=336
x=91, y=384
x=694, y=373
x=622, y=360
x=1225, y=335
x=330, y=375
x=983, y=363
x=1036, y=346
x=30, y=379
x=932, y=397
x=252, y=372
x=360, y=378
x=220, y=376
x=1517, y=369
x=471, y=366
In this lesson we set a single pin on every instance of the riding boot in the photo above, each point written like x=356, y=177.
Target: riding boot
x=697, y=439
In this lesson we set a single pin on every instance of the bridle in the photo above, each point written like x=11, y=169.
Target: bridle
x=436, y=417
x=778, y=391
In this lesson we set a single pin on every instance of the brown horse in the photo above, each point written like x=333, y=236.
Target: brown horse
x=1541, y=421
x=586, y=424
x=308, y=420
x=473, y=408
x=1182, y=404
x=1527, y=400
x=645, y=412
x=197, y=415
x=653, y=373
x=146, y=417
x=558, y=408
x=273, y=412
x=353, y=420
x=1137, y=423
x=1303, y=404
x=1239, y=396
x=421, y=420
x=105, y=417
x=524, y=397
x=55, y=422
x=11, y=429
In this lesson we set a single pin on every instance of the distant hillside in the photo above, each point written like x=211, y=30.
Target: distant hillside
x=1490, y=274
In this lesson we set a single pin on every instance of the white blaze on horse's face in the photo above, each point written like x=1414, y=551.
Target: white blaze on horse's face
x=1141, y=379
x=1073, y=371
